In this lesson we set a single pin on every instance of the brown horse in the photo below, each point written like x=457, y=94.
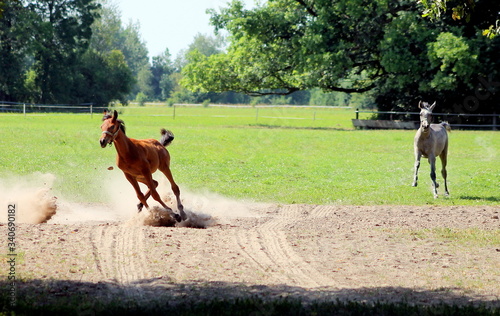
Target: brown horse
x=431, y=141
x=139, y=159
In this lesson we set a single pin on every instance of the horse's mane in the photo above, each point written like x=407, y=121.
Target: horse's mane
x=122, y=123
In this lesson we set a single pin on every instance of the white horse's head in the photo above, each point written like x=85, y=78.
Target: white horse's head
x=425, y=114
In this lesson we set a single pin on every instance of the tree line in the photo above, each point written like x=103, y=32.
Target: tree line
x=341, y=52
x=386, y=50
x=80, y=51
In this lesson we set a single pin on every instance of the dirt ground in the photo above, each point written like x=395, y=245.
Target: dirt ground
x=311, y=252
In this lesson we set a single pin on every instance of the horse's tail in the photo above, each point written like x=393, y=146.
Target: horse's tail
x=446, y=125
x=166, y=137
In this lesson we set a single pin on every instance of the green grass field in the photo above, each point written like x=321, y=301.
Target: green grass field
x=283, y=155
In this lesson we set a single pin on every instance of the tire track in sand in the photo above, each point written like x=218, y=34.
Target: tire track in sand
x=268, y=247
x=119, y=256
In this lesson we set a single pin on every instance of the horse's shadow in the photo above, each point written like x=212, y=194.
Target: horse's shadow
x=485, y=198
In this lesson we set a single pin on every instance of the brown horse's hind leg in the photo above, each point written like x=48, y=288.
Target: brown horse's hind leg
x=148, y=180
x=148, y=192
x=175, y=188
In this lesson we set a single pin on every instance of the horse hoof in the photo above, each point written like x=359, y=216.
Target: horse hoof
x=139, y=207
x=178, y=218
x=414, y=184
x=183, y=215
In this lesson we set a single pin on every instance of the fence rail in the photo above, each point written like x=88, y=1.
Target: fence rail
x=16, y=107
x=385, y=119
x=458, y=120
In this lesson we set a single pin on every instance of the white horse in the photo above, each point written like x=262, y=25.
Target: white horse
x=431, y=141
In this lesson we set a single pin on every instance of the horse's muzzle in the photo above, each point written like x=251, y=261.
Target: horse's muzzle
x=103, y=142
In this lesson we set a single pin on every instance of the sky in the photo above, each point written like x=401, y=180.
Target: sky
x=171, y=24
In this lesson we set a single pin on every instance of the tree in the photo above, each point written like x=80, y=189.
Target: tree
x=62, y=33
x=204, y=46
x=480, y=13
x=59, y=51
x=106, y=77
x=14, y=45
x=377, y=46
x=162, y=68
x=107, y=30
x=136, y=55
x=291, y=45
x=109, y=34
x=144, y=83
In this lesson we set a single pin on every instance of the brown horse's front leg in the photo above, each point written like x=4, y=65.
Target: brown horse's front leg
x=138, y=192
x=148, y=193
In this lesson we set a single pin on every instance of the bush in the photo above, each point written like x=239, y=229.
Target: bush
x=141, y=98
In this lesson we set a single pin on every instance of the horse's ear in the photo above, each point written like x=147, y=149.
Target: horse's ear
x=432, y=106
x=115, y=116
x=420, y=104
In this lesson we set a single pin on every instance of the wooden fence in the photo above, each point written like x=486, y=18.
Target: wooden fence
x=410, y=120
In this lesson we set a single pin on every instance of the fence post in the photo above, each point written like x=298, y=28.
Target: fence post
x=24, y=109
x=256, y=114
x=357, y=113
x=91, y=113
x=173, y=115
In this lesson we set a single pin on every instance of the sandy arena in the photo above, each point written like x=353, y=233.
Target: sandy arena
x=312, y=252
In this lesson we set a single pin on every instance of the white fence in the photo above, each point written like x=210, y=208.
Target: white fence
x=24, y=108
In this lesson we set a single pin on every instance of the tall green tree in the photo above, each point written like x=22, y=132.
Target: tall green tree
x=55, y=51
x=162, y=69
x=483, y=14
x=290, y=45
x=63, y=31
x=110, y=34
x=136, y=54
x=15, y=42
x=205, y=46
x=107, y=30
x=105, y=77
x=351, y=46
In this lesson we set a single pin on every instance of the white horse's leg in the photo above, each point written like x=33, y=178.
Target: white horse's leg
x=444, y=173
x=417, y=165
x=432, y=162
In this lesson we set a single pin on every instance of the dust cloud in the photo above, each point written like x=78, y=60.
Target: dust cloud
x=32, y=197
x=36, y=203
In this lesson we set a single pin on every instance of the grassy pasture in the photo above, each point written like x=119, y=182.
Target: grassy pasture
x=284, y=155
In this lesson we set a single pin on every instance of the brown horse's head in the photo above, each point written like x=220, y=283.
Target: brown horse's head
x=110, y=127
x=425, y=114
